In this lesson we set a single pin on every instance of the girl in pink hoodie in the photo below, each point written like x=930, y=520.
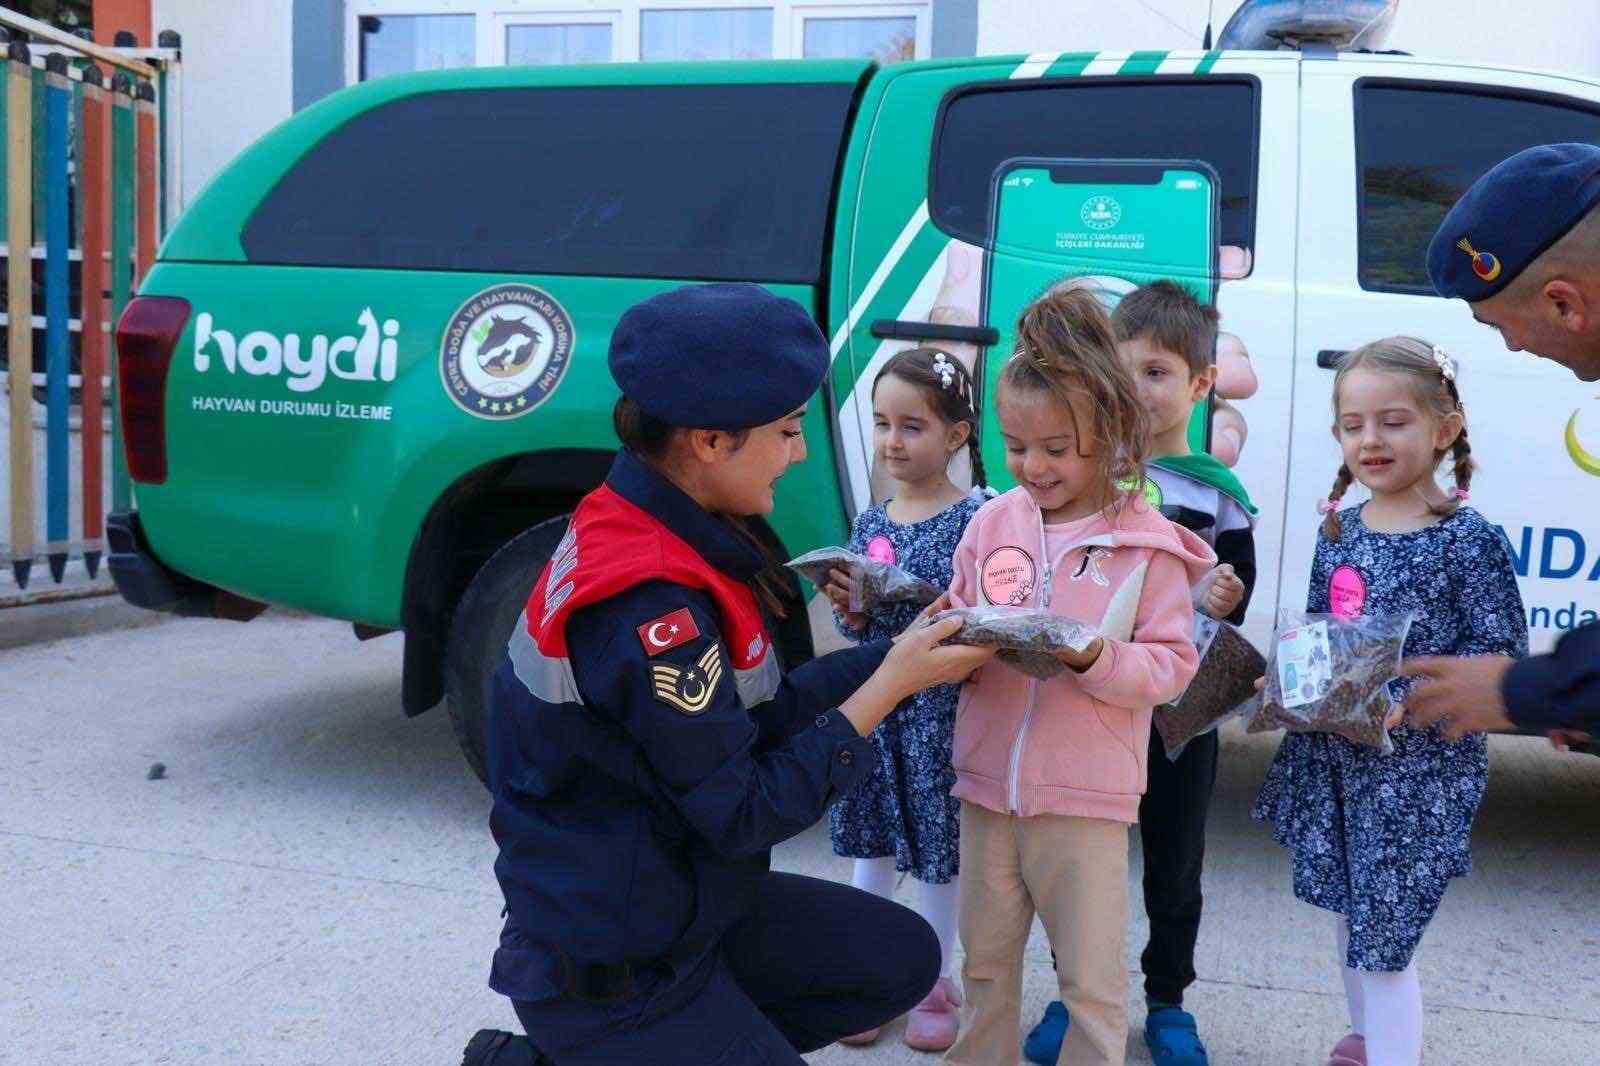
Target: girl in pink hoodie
x=1049, y=773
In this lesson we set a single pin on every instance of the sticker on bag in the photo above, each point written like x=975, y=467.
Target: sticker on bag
x=1305, y=664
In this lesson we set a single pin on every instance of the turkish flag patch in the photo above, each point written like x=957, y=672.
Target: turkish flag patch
x=668, y=631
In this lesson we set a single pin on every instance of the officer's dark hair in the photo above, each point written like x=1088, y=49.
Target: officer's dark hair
x=645, y=434
x=947, y=387
x=649, y=437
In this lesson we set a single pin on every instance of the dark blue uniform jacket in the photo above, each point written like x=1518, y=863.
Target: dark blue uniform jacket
x=1560, y=690
x=637, y=795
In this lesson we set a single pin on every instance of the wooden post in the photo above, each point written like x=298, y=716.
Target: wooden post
x=19, y=299
x=58, y=95
x=95, y=210
x=122, y=178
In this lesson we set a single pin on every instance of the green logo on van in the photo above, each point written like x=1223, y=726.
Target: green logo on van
x=505, y=351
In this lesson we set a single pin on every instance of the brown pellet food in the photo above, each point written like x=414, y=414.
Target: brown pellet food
x=1229, y=666
x=1026, y=637
x=1348, y=693
x=872, y=581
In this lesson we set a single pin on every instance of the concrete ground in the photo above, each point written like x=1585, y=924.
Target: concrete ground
x=310, y=882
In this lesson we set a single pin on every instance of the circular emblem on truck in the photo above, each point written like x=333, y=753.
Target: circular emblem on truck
x=505, y=351
x=1100, y=212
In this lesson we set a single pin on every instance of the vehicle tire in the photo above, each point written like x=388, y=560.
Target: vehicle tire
x=481, y=627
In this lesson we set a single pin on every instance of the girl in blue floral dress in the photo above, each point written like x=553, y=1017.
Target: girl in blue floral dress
x=1376, y=838
x=903, y=819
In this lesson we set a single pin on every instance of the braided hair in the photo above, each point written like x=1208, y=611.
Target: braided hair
x=1432, y=376
x=948, y=388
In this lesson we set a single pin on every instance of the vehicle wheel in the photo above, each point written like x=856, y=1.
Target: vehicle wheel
x=481, y=627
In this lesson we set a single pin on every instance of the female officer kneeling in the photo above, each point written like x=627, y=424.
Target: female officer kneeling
x=645, y=753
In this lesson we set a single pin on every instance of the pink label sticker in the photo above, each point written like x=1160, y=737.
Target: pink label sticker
x=1347, y=592
x=881, y=549
x=1007, y=577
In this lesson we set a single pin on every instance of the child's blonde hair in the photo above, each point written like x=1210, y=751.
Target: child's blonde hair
x=1065, y=344
x=1430, y=373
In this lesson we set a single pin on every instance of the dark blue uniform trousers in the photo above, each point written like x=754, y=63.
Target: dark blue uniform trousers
x=810, y=962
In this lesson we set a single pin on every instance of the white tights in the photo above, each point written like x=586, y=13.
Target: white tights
x=936, y=903
x=1386, y=1008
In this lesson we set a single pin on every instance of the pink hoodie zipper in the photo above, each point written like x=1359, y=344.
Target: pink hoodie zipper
x=1041, y=596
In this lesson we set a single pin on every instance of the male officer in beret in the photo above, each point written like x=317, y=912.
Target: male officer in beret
x=645, y=752
x=1522, y=247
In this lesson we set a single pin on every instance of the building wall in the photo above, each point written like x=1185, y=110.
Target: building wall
x=249, y=64
x=955, y=28
x=318, y=50
x=1552, y=34
x=237, y=77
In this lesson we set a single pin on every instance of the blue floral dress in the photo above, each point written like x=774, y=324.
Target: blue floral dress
x=1378, y=837
x=905, y=808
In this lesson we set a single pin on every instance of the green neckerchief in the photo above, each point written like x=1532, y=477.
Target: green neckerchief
x=1208, y=471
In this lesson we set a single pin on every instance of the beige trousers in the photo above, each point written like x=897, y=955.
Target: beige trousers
x=1074, y=873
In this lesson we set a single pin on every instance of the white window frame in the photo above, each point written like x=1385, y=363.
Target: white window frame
x=804, y=11
x=492, y=30
x=493, y=16
x=354, y=9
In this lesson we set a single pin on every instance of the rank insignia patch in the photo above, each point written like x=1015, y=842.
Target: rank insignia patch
x=688, y=688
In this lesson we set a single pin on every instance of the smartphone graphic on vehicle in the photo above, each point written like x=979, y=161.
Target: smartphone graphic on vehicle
x=1108, y=225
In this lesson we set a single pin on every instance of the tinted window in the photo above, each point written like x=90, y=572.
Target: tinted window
x=714, y=182
x=1419, y=148
x=1212, y=120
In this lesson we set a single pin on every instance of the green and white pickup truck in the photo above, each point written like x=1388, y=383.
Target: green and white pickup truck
x=366, y=377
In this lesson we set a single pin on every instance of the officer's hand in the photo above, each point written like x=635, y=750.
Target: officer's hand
x=1462, y=695
x=926, y=615
x=919, y=660
x=1565, y=739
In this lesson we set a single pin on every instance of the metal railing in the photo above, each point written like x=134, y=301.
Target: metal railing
x=84, y=157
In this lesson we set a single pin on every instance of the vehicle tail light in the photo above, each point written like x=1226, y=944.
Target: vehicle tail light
x=147, y=334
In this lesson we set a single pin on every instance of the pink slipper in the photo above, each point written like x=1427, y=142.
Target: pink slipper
x=1351, y=1051
x=932, y=1024
x=861, y=1039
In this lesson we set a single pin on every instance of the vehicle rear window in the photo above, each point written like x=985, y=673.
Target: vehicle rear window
x=711, y=182
x=1209, y=119
x=1418, y=148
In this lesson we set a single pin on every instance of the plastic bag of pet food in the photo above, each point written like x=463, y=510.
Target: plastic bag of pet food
x=1027, y=638
x=1331, y=675
x=1222, y=687
x=872, y=581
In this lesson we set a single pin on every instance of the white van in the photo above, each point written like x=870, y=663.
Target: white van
x=1335, y=168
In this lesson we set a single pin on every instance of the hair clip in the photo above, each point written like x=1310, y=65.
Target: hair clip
x=1327, y=506
x=1446, y=365
x=1461, y=494
x=942, y=367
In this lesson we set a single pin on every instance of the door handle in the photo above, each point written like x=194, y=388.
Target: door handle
x=1328, y=358
x=901, y=330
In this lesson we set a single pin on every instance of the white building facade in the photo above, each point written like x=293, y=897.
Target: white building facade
x=249, y=64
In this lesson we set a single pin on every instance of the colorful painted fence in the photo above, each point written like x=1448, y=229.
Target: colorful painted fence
x=81, y=172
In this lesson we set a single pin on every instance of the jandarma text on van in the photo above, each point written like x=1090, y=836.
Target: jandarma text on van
x=358, y=412
x=1561, y=619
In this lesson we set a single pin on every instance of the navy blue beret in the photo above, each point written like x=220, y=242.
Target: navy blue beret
x=727, y=356
x=1510, y=217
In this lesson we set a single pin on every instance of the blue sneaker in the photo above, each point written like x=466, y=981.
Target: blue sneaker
x=1173, y=1038
x=1043, y=1045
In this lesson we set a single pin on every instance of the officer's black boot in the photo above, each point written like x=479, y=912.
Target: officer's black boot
x=496, y=1047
